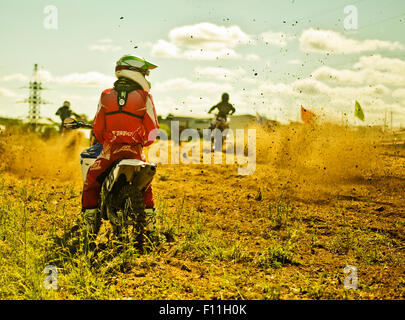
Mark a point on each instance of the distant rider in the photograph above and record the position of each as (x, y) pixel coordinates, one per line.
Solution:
(65, 112)
(125, 118)
(224, 108)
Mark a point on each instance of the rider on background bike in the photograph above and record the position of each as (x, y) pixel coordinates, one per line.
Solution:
(124, 124)
(224, 108)
(65, 112)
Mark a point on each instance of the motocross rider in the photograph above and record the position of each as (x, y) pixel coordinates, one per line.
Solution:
(224, 108)
(124, 124)
(65, 112)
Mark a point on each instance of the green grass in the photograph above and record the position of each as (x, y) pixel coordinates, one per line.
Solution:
(21, 250)
(279, 214)
(276, 257)
(25, 250)
(194, 255)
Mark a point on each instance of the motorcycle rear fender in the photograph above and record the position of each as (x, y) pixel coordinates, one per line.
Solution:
(137, 172)
(85, 164)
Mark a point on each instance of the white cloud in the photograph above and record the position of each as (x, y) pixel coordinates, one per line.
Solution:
(372, 70)
(328, 101)
(106, 40)
(15, 77)
(208, 36)
(190, 105)
(203, 41)
(328, 41)
(326, 73)
(169, 50)
(165, 49)
(276, 88)
(86, 79)
(377, 62)
(328, 91)
(367, 91)
(317, 89)
(219, 73)
(203, 54)
(310, 87)
(186, 84)
(7, 93)
(104, 45)
(90, 79)
(278, 39)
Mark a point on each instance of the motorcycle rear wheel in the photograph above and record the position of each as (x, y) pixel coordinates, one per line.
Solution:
(129, 220)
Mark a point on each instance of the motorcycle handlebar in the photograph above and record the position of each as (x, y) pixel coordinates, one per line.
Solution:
(70, 123)
(89, 126)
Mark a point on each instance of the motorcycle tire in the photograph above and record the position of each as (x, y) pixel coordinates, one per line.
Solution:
(128, 206)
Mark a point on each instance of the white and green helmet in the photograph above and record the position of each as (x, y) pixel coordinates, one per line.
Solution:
(135, 69)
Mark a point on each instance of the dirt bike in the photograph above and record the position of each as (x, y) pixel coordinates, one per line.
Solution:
(221, 124)
(121, 198)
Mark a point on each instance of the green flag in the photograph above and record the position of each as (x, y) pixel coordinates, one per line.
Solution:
(358, 111)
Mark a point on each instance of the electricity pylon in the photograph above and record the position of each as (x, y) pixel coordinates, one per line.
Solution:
(34, 100)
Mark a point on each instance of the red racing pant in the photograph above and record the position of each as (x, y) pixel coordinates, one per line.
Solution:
(111, 153)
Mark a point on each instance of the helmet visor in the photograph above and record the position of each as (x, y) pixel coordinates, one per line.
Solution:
(145, 72)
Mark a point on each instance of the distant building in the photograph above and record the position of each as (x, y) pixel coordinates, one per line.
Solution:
(186, 122)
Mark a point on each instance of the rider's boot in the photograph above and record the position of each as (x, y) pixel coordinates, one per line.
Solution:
(90, 219)
(150, 218)
(151, 232)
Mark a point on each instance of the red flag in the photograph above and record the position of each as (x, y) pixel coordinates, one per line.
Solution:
(306, 115)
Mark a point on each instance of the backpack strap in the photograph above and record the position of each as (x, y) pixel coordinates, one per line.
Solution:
(124, 86)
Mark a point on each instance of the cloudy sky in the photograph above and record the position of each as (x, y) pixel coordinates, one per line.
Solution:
(270, 56)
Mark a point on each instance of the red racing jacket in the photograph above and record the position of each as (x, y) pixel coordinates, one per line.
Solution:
(133, 123)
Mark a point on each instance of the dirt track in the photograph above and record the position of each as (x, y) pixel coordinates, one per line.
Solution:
(333, 220)
(320, 199)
